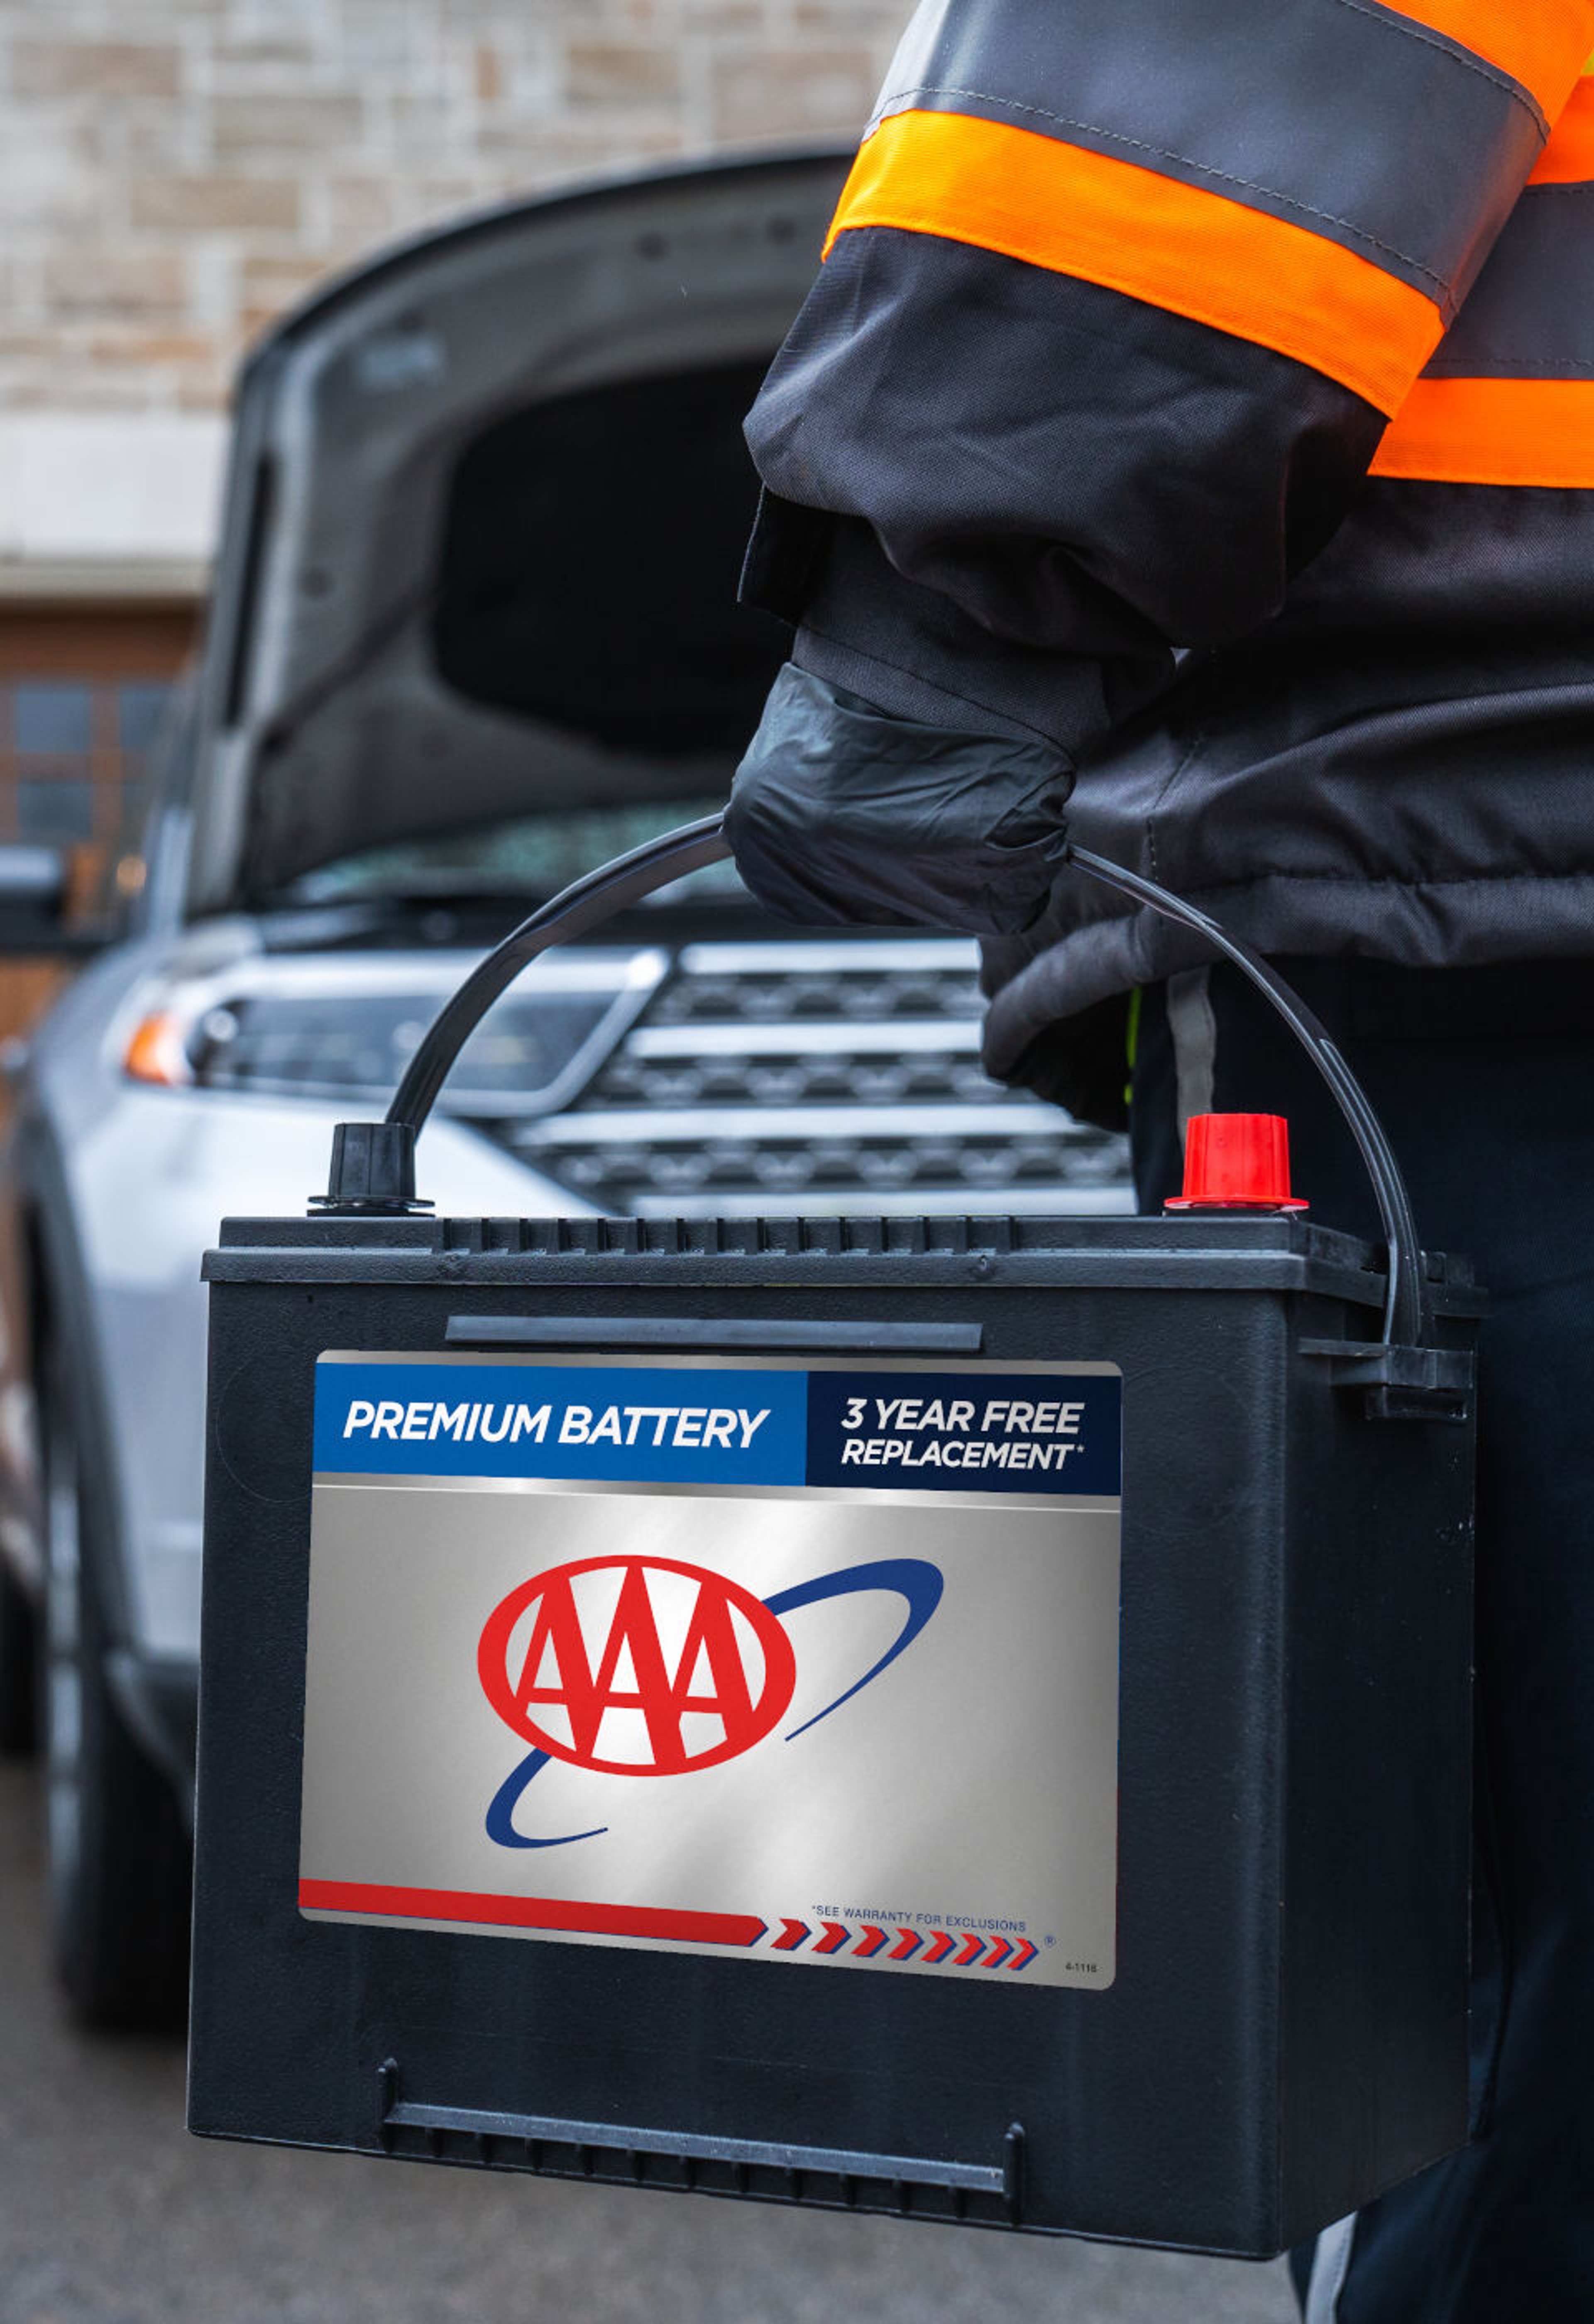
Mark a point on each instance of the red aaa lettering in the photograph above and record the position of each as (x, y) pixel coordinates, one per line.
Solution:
(632, 1671)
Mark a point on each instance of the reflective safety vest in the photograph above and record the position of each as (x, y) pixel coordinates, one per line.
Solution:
(1210, 389)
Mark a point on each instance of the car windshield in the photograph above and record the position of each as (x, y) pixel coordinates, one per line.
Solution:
(533, 856)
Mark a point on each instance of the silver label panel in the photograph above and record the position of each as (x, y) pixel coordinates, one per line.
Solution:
(872, 1727)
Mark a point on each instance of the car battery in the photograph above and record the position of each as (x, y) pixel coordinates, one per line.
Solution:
(962, 1718)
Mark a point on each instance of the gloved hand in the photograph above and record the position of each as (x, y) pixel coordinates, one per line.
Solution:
(841, 812)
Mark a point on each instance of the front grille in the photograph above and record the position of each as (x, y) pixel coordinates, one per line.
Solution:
(818, 1076)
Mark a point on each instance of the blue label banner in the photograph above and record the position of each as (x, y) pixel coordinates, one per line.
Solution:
(653, 1425)
(989, 1430)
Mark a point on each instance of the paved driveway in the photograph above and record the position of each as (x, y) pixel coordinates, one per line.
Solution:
(111, 2214)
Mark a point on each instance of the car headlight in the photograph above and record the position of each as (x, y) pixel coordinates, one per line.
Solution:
(280, 1029)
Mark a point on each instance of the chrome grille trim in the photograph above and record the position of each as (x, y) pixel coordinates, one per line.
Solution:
(829, 955)
(808, 1124)
(923, 1202)
(896, 1036)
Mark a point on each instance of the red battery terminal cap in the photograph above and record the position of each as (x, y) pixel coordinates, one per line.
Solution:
(1236, 1162)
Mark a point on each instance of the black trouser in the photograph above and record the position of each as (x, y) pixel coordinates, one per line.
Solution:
(1485, 1081)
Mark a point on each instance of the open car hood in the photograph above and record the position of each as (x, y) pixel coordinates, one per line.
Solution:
(485, 513)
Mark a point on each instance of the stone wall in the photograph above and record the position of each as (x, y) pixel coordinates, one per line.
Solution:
(175, 171)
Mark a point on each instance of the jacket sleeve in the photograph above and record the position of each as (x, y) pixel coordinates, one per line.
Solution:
(1118, 301)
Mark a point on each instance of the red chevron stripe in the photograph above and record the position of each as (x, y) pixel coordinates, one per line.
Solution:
(940, 1945)
(908, 1941)
(969, 1952)
(792, 1934)
(870, 1942)
(1023, 1956)
(998, 1955)
(835, 1937)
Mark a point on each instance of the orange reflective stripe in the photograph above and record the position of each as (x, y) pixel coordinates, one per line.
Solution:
(1177, 247)
(1542, 43)
(1568, 160)
(1493, 431)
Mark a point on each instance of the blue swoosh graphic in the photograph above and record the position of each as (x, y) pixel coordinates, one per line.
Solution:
(506, 1799)
(911, 1578)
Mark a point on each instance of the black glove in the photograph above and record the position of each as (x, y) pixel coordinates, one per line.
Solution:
(841, 812)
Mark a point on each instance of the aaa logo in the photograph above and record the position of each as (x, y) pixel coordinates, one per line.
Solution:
(657, 1704)
(638, 1665)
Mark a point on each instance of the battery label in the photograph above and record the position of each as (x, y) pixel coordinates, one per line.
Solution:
(800, 1663)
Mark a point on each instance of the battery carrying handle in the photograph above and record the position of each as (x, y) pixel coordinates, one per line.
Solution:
(373, 1169)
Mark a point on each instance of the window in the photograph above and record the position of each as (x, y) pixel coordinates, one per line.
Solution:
(140, 709)
(82, 701)
(56, 813)
(52, 720)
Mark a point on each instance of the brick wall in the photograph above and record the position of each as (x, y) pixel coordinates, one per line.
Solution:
(177, 171)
